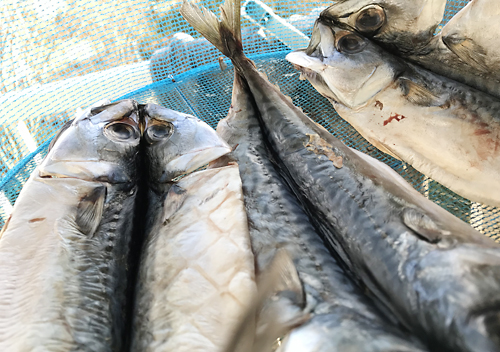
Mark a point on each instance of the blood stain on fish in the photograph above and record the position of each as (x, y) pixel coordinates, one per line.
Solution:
(482, 131)
(396, 117)
(36, 220)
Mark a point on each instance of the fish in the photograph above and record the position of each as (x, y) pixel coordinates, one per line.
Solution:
(201, 209)
(404, 26)
(64, 250)
(176, 144)
(342, 317)
(464, 50)
(436, 274)
(197, 275)
(447, 131)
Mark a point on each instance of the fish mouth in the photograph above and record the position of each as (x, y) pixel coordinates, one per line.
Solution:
(299, 59)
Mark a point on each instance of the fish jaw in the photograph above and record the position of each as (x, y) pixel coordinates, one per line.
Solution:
(329, 80)
(83, 170)
(189, 144)
(100, 145)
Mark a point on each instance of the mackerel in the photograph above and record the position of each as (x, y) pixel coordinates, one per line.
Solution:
(446, 130)
(64, 250)
(439, 276)
(172, 281)
(466, 49)
(342, 317)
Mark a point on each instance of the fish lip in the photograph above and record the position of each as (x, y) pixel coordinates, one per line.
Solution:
(313, 76)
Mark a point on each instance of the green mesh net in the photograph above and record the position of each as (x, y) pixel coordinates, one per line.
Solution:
(57, 57)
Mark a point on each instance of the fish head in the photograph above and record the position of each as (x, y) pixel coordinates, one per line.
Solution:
(177, 143)
(344, 66)
(390, 21)
(102, 144)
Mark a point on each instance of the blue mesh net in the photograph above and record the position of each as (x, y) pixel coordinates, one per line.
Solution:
(58, 57)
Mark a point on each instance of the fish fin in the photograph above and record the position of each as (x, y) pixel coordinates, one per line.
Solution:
(224, 34)
(94, 110)
(173, 201)
(66, 125)
(468, 51)
(418, 94)
(89, 211)
(205, 22)
(424, 226)
(315, 39)
(278, 305)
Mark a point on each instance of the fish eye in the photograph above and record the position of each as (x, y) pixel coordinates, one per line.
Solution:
(121, 131)
(158, 132)
(370, 20)
(350, 43)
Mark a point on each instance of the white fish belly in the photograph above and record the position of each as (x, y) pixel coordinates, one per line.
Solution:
(197, 274)
(448, 144)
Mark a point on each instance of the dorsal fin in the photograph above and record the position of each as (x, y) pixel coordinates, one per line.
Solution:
(278, 305)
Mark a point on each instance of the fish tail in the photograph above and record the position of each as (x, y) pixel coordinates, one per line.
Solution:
(224, 34)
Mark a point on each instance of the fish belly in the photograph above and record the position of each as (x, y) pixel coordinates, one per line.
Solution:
(451, 145)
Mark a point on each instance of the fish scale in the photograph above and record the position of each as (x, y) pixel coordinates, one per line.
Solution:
(199, 265)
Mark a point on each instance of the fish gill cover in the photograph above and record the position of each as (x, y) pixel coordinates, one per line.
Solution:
(58, 57)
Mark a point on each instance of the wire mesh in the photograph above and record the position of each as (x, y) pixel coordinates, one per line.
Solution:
(58, 57)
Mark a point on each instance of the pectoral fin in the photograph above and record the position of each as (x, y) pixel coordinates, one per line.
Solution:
(173, 201)
(89, 211)
(418, 94)
(468, 51)
(424, 226)
(278, 305)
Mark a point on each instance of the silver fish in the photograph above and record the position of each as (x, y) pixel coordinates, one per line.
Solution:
(342, 317)
(446, 130)
(464, 50)
(63, 252)
(181, 219)
(436, 274)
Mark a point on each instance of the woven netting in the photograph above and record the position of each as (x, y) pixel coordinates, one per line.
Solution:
(59, 56)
